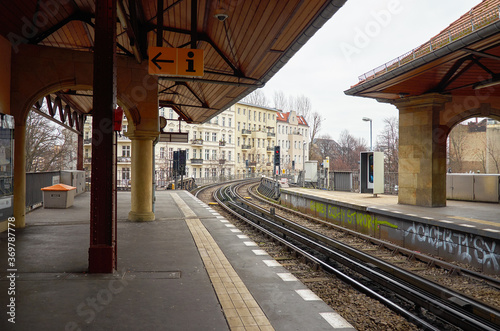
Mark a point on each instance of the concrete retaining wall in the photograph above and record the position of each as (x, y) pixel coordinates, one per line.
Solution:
(475, 247)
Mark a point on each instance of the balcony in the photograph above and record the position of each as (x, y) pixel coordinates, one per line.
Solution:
(222, 143)
(252, 164)
(271, 134)
(197, 141)
(123, 159)
(268, 164)
(87, 141)
(246, 146)
(196, 161)
(87, 160)
(222, 161)
(246, 132)
(270, 149)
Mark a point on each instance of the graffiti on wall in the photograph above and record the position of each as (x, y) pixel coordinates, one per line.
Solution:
(361, 219)
(467, 247)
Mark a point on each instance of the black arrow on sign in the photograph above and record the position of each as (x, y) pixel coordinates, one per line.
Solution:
(155, 60)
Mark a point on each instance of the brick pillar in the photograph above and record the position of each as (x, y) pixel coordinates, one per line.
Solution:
(422, 151)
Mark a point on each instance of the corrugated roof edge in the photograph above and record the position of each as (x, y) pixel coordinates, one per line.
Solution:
(441, 52)
(322, 17)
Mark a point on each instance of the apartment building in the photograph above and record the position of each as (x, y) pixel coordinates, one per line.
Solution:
(293, 139)
(123, 153)
(210, 151)
(255, 138)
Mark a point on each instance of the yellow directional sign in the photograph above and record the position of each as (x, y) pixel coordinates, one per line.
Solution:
(175, 61)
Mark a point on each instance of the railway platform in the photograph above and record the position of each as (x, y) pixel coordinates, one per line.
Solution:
(188, 270)
(465, 232)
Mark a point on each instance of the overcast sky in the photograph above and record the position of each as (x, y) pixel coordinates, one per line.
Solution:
(337, 54)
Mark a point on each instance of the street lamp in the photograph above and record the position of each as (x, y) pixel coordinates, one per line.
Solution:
(366, 119)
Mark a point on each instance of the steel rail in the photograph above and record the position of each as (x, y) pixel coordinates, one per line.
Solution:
(443, 305)
(431, 261)
(223, 198)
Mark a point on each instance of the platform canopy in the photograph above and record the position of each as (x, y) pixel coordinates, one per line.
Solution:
(245, 42)
(461, 60)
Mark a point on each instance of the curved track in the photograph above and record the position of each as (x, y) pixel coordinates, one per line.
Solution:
(403, 292)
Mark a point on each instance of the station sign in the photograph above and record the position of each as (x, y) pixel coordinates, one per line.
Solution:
(175, 61)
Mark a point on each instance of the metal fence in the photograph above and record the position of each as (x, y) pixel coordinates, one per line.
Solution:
(348, 181)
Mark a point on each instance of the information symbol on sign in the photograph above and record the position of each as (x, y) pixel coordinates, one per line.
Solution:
(190, 62)
(175, 61)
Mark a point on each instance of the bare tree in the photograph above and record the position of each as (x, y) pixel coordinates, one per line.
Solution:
(326, 146)
(48, 147)
(456, 143)
(494, 156)
(388, 142)
(257, 98)
(314, 125)
(280, 100)
(347, 153)
(303, 106)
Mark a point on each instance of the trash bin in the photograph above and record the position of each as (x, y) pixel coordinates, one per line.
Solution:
(58, 196)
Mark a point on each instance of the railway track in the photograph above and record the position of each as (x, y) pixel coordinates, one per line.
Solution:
(428, 305)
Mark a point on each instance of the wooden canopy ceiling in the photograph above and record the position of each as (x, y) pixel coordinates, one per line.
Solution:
(241, 53)
(460, 60)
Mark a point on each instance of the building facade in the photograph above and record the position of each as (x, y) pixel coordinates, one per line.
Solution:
(293, 139)
(210, 151)
(255, 138)
(238, 141)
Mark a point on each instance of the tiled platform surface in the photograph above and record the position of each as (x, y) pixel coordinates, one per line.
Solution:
(471, 215)
(188, 270)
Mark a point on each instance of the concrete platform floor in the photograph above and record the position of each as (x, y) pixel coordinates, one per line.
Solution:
(188, 270)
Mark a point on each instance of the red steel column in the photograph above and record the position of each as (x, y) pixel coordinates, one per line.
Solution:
(102, 218)
(79, 153)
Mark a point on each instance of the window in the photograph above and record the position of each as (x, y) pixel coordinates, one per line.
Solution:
(223, 121)
(238, 157)
(162, 112)
(86, 135)
(214, 154)
(229, 139)
(207, 154)
(126, 151)
(124, 128)
(258, 142)
(200, 172)
(207, 136)
(223, 137)
(238, 110)
(249, 114)
(214, 136)
(194, 153)
(294, 144)
(223, 155)
(238, 141)
(229, 120)
(254, 115)
(214, 172)
(238, 126)
(229, 155)
(243, 111)
(125, 173)
(162, 152)
(171, 153)
(244, 125)
(171, 114)
(86, 152)
(259, 116)
(187, 157)
(194, 134)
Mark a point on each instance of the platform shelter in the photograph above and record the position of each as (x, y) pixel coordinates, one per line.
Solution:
(452, 77)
